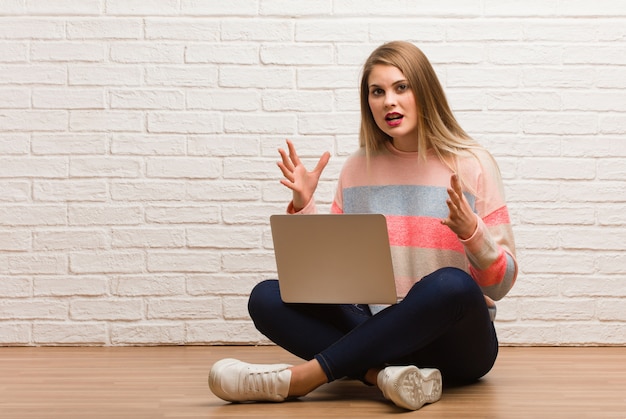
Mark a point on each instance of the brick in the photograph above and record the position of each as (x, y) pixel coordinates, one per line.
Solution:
(219, 284)
(593, 238)
(105, 167)
(552, 168)
(18, 191)
(147, 191)
(29, 28)
(236, 308)
(70, 286)
(185, 123)
(177, 308)
(612, 169)
(218, 8)
(223, 146)
(287, 54)
(15, 334)
(289, 8)
(222, 53)
(231, 99)
(68, 144)
(574, 123)
(13, 52)
(33, 215)
(148, 285)
(14, 144)
(148, 145)
(141, 8)
(192, 29)
(572, 262)
(15, 287)
(223, 237)
(592, 333)
(328, 123)
(259, 123)
(68, 99)
(223, 332)
(98, 29)
(197, 261)
(228, 190)
(188, 168)
(90, 215)
(107, 262)
(298, 101)
(70, 333)
(329, 78)
(513, 8)
(416, 8)
(598, 286)
(70, 190)
(233, 29)
(37, 263)
(103, 309)
(528, 333)
(250, 169)
(148, 334)
(67, 51)
(190, 76)
(249, 262)
(71, 240)
(255, 77)
(69, 7)
(147, 99)
(539, 309)
(147, 238)
(30, 120)
(483, 76)
(106, 121)
(205, 214)
(558, 77)
(611, 309)
(104, 75)
(39, 309)
(147, 52)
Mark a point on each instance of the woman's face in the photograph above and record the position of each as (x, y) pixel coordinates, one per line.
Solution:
(392, 103)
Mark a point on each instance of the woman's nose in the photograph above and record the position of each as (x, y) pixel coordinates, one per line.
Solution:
(390, 100)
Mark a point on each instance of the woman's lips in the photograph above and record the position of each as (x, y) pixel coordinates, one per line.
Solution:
(394, 119)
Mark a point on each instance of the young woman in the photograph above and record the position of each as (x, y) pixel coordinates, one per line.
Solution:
(452, 249)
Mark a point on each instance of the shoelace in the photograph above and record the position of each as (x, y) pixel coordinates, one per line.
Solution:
(261, 382)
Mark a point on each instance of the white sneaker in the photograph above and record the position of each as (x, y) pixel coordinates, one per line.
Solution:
(409, 386)
(237, 381)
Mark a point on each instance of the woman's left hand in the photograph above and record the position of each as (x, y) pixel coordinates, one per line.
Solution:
(461, 218)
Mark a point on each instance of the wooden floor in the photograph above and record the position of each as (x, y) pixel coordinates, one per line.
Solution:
(171, 382)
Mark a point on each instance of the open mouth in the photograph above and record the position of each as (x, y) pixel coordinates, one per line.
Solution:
(394, 119)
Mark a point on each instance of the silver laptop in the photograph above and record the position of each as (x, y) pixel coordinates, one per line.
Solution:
(333, 258)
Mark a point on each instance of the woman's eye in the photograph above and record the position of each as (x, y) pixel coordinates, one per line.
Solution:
(377, 92)
(403, 87)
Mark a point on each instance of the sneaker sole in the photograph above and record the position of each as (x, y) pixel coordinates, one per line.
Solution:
(419, 387)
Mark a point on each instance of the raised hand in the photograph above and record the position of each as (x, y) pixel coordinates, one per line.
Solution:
(461, 218)
(297, 178)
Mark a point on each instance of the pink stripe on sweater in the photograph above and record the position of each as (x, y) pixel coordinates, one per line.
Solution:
(497, 217)
(424, 232)
(493, 275)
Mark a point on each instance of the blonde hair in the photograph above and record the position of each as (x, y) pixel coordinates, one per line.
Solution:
(437, 129)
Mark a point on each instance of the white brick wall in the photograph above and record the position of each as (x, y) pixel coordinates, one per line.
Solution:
(138, 147)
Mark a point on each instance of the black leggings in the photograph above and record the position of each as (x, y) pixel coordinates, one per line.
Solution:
(442, 323)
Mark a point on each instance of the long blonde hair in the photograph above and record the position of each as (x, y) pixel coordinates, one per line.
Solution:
(437, 129)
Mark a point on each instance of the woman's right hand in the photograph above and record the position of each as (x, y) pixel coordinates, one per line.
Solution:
(297, 178)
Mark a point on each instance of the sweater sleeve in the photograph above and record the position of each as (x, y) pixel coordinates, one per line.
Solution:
(491, 249)
(491, 253)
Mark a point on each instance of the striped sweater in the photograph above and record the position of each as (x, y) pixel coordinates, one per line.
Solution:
(412, 194)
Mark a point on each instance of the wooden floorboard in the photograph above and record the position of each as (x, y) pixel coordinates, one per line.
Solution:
(171, 382)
